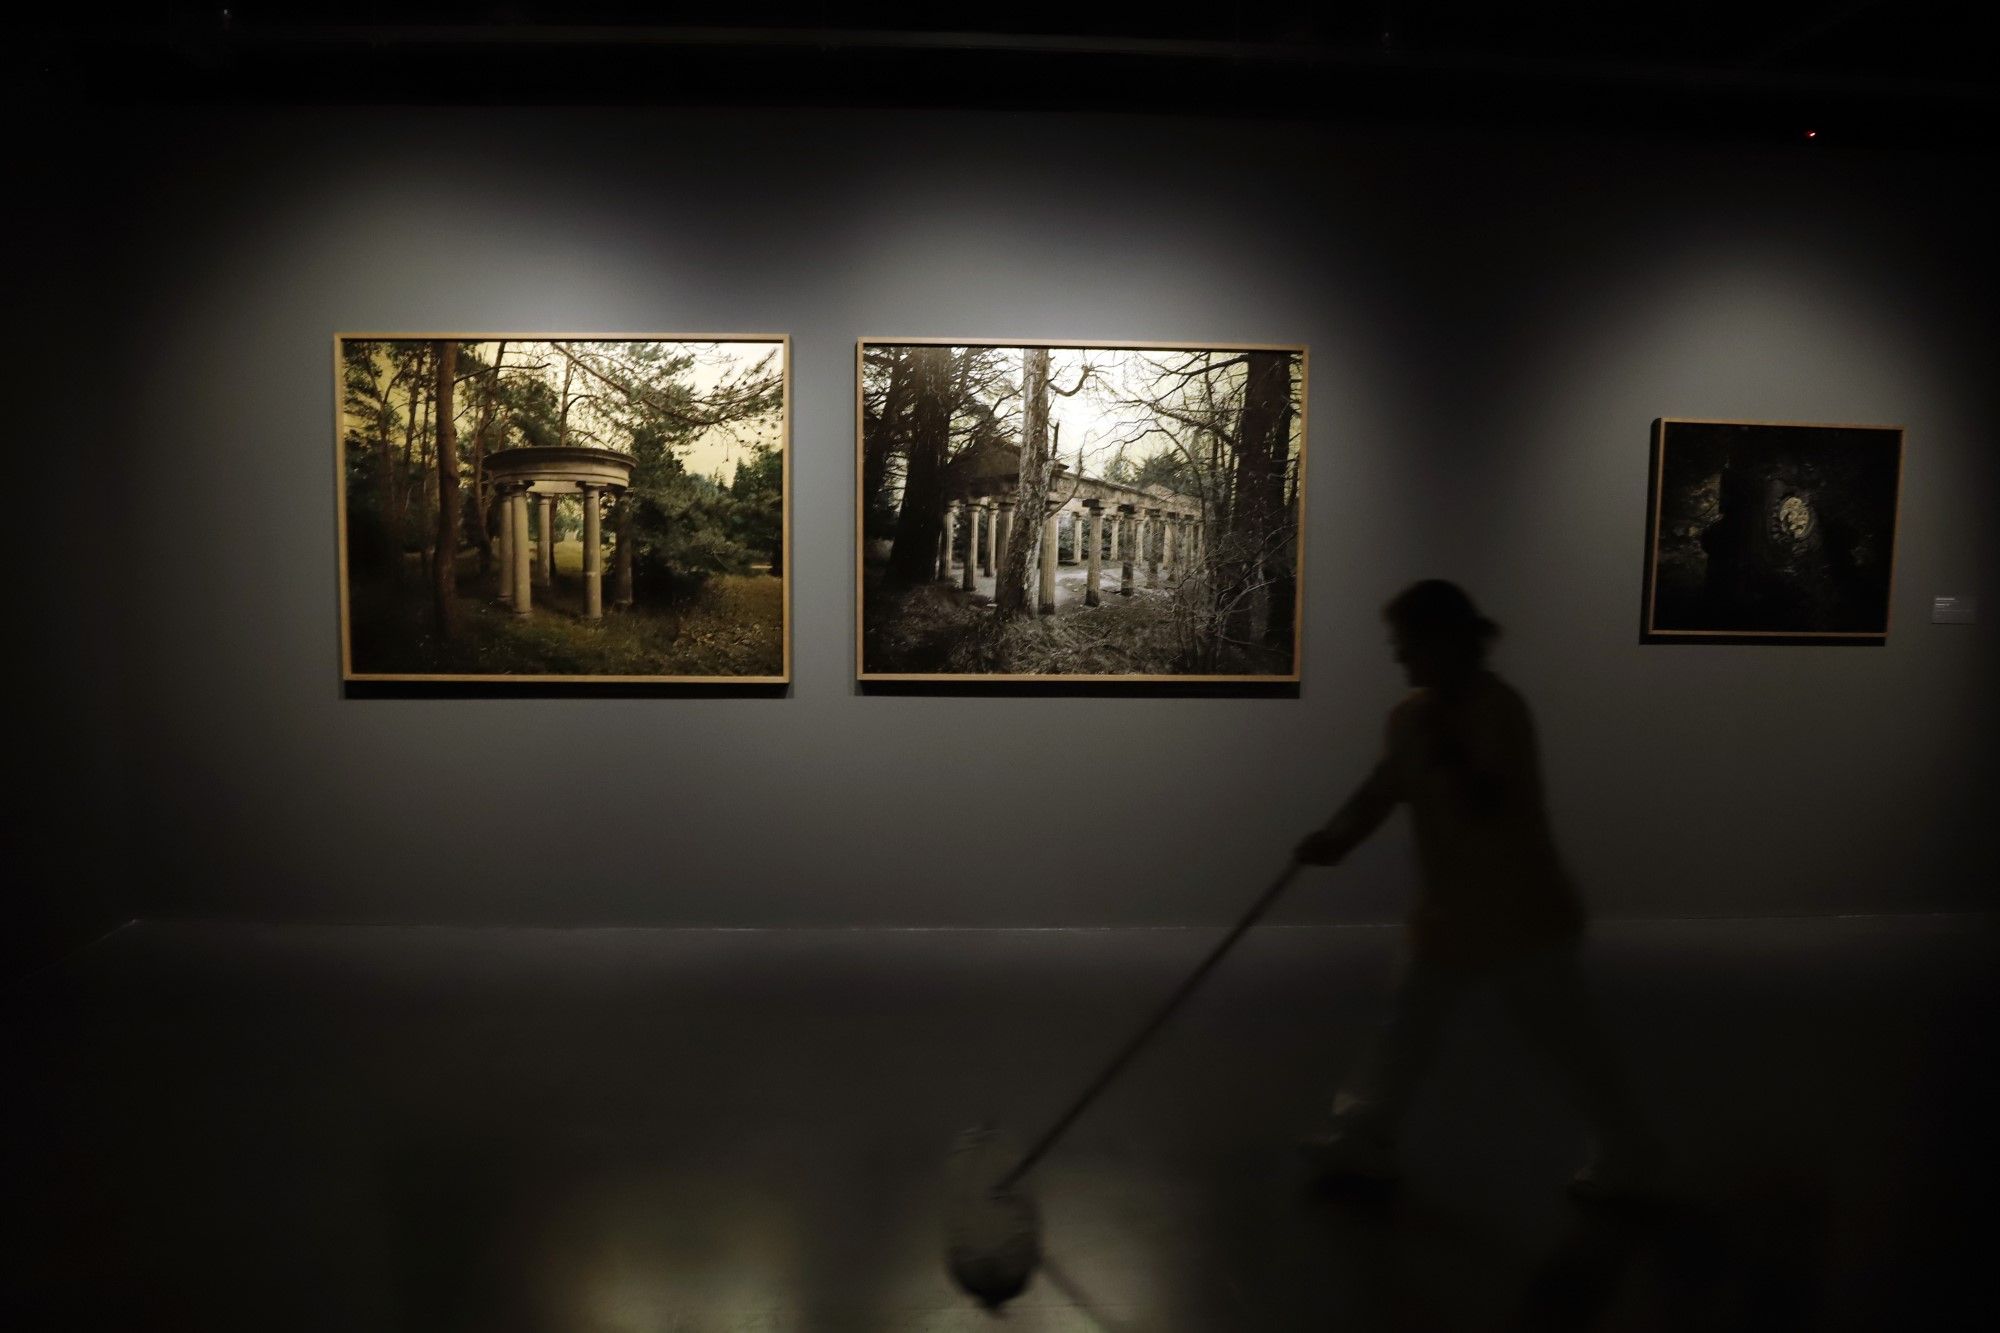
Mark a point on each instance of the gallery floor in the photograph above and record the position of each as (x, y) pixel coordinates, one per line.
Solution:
(235, 1127)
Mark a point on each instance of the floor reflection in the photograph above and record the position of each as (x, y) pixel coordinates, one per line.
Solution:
(501, 1131)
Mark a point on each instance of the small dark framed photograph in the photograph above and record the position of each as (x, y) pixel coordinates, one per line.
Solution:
(1771, 531)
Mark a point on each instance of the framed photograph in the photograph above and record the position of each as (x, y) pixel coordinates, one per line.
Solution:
(1772, 531)
(543, 508)
(1077, 511)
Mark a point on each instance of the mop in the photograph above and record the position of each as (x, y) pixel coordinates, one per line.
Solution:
(993, 1230)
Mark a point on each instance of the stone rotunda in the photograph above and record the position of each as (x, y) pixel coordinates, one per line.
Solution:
(541, 477)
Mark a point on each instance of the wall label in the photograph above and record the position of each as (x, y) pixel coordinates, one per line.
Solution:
(1958, 610)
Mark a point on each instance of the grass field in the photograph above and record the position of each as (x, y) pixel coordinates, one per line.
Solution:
(935, 628)
(733, 626)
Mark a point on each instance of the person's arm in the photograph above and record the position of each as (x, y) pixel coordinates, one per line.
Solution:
(1360, 815)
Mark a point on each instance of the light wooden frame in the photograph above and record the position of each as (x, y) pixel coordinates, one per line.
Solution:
(1650, 633)
(783, 341)
(864, 676)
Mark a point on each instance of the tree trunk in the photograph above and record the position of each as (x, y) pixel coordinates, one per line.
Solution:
(427, 490)
(1011, 582)
(1218, 509)
(385, 449)
(475, 504)
(621, 566)
(913, 558)
(1283, 550)
(405, 469)
(879, 443)
(444, 566)
(562, 426)
(1258, 500)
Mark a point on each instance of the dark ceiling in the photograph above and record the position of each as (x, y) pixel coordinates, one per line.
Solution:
(1859, 70)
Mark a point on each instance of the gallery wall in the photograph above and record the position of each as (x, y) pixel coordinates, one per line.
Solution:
(1494, 321)
(65, 875)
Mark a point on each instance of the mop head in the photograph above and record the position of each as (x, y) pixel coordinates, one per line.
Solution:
(992, 1236)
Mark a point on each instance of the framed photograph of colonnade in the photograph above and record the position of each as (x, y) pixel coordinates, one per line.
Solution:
(554, 508)
(1768, 531)
(1078, 511)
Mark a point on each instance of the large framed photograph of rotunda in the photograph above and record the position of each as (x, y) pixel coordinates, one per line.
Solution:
(540, 509)
(1771, 531)
(1078, 512)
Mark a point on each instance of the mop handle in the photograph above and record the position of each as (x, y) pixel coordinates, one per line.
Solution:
(1145, 1034)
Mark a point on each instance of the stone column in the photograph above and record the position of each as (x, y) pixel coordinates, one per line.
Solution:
(1167, 542)
(965, 579)
(1000, 544)
(1117, 530)
(1125, 565)
(1046, 604)
(505, 499)
(1093, 530)
(988, 552)
(593, 554)
(945, 535)
(545, 543)
(524, 587)
(621, 570)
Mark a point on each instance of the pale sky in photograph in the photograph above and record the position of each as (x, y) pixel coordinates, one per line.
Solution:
(714, 452)
(1094, 418)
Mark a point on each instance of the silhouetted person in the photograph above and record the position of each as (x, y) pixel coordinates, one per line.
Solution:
(1495, 908)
